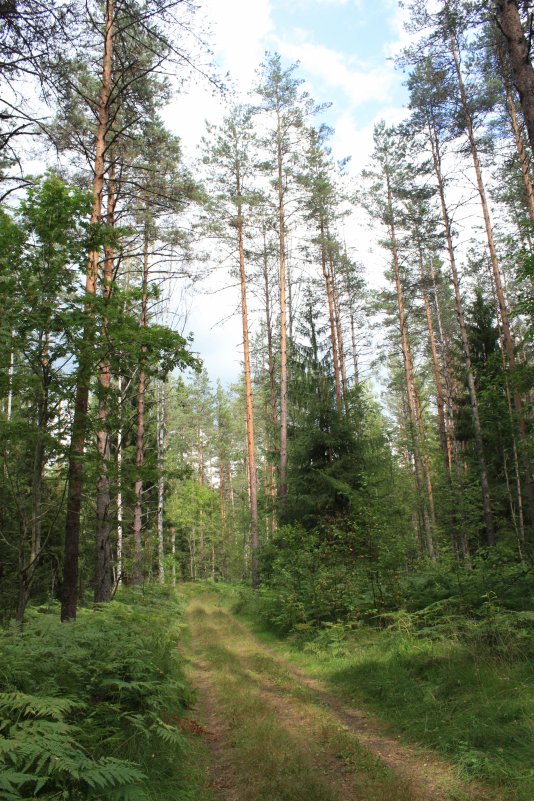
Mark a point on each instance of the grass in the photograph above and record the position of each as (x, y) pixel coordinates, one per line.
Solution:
(279, 743)
(471, 705)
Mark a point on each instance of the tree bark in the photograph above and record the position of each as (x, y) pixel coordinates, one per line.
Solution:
(331, 314)
(69, 592)
(27, 572)
(137, 572)
(103, 568)
(282, 485)
(483, 473)
(501, 301)
(518, 47)
(422, 471)
(443, 432)
(161, 480)
(249, 409)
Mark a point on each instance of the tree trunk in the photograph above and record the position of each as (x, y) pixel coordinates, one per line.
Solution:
(27, 572)
(161, 479)
(339, 329)
(282, 485)
(69, 593)
(331, 314)
(103, 567)
(414, 409)
(249, 410)
(443, 432)
(483, 473)
(518, 47)
(502, 306)
(137, 572)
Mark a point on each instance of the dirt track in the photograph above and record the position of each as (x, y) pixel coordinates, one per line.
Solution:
(249, 696)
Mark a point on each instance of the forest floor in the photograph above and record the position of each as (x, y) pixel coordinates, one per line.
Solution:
(273, 733)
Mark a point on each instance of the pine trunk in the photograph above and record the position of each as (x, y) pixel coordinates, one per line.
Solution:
(282, 485)
(331, 314)
(103, 566)
(137, 572)
(443, 432)
(69, 592)
(501, 302)
(422, 471)
(249, 410)
(161, 480)
(473, 398)
(518, 46)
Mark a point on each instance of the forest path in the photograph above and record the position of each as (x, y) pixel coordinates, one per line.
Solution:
(277, 735)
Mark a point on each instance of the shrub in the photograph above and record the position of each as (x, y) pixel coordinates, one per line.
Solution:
(91, 709)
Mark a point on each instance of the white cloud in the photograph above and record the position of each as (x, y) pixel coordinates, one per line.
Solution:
(240, 29)
(338, 71)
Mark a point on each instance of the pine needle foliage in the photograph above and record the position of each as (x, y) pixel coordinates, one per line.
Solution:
(91, 709)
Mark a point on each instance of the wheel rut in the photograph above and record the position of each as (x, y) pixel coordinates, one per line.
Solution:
(276, 734)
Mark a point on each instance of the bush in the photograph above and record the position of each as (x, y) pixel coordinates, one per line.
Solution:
(90, 709)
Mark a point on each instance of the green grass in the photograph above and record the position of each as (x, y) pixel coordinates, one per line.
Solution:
(471, 704)
(276, 742)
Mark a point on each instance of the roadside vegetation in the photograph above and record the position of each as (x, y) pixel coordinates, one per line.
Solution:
(93, 710)
(450, 668)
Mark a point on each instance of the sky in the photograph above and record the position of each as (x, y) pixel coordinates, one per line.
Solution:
(345, 50)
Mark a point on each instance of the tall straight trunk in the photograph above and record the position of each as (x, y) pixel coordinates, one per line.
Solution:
(518, 46)
(473, 398)
(69, 593)
(161, 479)
(119, 567)
(501, 301)
(339, 330)
(27, 572)
(348, 289)
(422, 471)
(103, 566)
(249, 410)
(331, 314)
(459, 539)
(137, 573)
(269, 326)
(444, 437)
(521, 154)
(517, 472)
(282, 485)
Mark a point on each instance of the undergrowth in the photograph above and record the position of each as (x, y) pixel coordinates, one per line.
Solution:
(447, 661)
(91, 709)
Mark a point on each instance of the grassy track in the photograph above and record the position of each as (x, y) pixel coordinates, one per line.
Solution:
(276, 735)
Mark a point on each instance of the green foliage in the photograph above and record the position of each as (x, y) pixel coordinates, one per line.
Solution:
(91, 709)
(452, 696)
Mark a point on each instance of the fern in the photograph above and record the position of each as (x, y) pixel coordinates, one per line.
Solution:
(81, 706)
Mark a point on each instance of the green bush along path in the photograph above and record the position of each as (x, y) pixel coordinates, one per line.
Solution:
(275, 734)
